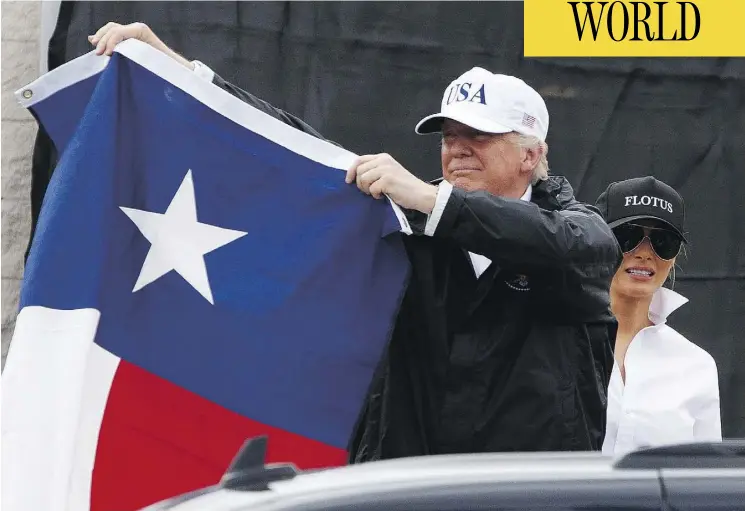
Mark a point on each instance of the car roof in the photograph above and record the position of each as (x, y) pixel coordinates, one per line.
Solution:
(429, 471)
(250, 482)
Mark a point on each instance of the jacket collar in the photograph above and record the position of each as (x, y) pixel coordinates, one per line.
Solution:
(550, 188)
(553, 193)
(664, 302)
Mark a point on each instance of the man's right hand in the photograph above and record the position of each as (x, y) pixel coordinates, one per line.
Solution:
(111, 34)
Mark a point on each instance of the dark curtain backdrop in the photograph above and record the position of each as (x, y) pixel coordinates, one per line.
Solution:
(363, 74)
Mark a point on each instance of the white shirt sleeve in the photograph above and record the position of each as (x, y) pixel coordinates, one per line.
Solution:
(203, 71)
(444, 189)
(708, 421)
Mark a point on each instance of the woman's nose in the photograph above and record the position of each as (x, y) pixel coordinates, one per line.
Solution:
(644, 249)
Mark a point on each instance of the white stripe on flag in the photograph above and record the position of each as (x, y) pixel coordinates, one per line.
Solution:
(99, 376)
(52, 409)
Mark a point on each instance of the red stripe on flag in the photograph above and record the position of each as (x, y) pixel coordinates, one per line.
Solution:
(158, 440)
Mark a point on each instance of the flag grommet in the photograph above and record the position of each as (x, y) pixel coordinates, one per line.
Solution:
(27, 94)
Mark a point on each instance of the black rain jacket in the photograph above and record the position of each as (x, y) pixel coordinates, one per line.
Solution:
(518, 359)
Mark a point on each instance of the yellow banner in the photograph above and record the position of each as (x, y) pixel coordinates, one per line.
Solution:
(693, 28)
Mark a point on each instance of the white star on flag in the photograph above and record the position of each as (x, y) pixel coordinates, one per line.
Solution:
(179, 241)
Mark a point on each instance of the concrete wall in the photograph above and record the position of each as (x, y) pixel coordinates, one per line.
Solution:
(21, 22)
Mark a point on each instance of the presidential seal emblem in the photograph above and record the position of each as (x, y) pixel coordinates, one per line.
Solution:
(519, 283)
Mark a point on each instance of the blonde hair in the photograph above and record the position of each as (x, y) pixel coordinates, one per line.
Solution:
(540, 172)
(671, 276)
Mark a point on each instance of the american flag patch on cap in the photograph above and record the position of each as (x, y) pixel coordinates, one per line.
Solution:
(529, 121)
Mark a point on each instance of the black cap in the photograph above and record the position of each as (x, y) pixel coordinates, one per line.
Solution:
(642, 197)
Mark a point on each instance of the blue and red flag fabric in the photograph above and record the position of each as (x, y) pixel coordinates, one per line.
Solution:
(200, 274)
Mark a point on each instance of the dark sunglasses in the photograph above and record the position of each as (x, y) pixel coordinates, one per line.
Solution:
(665, 243)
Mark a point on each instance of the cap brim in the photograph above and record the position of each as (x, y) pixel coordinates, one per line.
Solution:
(647, 217)
(433, 124)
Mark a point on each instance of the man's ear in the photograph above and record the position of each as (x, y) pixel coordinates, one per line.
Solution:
(531, 156)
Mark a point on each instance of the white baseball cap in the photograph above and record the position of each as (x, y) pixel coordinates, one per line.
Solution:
(490, 103)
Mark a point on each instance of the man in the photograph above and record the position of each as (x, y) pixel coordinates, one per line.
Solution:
(504, 340)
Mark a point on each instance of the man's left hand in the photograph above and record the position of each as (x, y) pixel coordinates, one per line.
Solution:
(379, 174)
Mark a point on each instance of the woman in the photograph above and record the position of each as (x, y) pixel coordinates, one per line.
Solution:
(663, 389)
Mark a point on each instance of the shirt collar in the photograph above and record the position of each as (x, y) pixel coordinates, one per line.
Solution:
(528, 194)
(664, 302)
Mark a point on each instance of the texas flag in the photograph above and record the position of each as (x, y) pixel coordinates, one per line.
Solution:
(200, 274)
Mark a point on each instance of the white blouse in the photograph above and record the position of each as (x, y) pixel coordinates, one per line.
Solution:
(671, 394)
